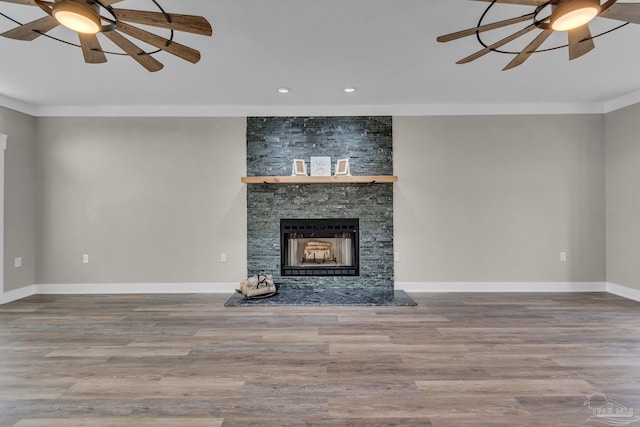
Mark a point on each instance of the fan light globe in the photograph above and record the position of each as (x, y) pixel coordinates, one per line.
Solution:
(574, 14)
(77, 17)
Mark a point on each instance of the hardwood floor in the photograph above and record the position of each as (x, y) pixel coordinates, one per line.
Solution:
(185, 360)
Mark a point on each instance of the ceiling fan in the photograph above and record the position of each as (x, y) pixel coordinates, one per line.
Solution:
(549, 16)
(91, 17)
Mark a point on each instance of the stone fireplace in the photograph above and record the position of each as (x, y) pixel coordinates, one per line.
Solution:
(367, 269)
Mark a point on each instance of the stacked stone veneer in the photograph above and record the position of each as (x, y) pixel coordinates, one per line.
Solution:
(272, 144)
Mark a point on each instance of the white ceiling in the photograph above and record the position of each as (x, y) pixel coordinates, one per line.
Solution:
(385, 48)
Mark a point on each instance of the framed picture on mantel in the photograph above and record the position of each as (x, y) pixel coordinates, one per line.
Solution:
(320, 166)
(299, 168)
(342, 167)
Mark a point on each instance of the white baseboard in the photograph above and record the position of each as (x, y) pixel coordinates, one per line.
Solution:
(226, 288)
(137, 288)
(623, 291)
(12, 296)
(501, 286)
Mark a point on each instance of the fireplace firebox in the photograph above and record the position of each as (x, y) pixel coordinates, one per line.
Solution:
(320, 247)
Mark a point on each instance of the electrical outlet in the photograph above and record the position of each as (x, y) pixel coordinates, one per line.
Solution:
(85, 259)
(17, 262)
(223, 257)
(396, 256)
(563, 256)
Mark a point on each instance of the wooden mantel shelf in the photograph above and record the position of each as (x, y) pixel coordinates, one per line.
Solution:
(341, 179)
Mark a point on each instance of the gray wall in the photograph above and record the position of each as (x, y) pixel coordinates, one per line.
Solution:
(151, 200)
(498, 198)
(622, 128)
(20, 198)
(479, 198)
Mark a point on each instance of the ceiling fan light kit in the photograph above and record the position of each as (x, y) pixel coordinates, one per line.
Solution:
(573, 14)
(549, 16)
(88, 18)
(81, 17)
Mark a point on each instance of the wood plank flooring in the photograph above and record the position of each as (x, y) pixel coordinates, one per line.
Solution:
(185, 360)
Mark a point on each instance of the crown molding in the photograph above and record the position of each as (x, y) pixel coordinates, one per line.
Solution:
(321, 110)
(17, 105)
(622, 101)
(317, 110)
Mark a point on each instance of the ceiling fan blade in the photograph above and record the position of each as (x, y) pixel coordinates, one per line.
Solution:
(28, 2)
(177, 49)
(496, 45)
(519, 2)
(482, 28)
(529, 50)
(580, 42)
(91, 49)
(187, 23)
(144, 59)
(106, 3)
(627, 12)
(32, 30)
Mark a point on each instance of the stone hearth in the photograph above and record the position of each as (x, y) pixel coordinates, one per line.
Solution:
(325, 297)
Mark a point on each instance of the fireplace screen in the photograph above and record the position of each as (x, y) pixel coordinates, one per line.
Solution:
(319, 247)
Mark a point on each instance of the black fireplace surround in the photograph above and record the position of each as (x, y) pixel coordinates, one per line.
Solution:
(319, 247)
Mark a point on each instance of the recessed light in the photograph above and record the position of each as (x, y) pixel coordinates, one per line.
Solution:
(349, 89)
(284, 90)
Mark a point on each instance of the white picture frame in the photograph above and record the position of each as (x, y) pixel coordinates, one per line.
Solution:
(299, 168)
(342, 168)
(320, 166)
